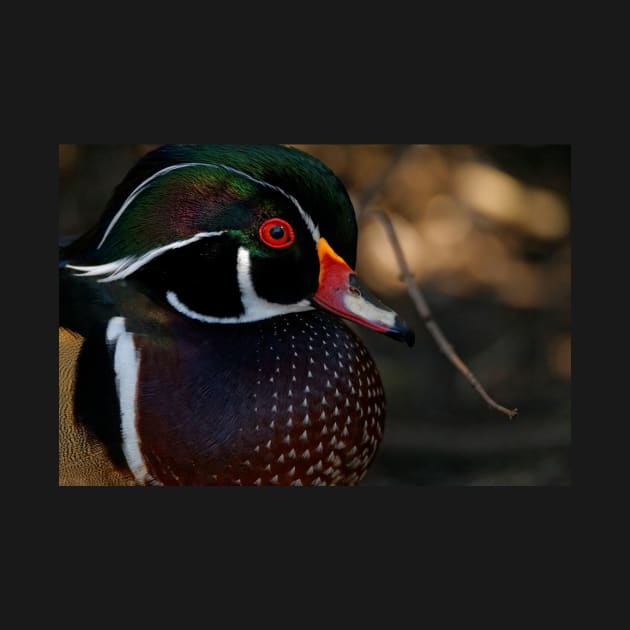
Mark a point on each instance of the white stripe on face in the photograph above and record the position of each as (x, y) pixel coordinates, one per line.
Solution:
(313, 229)
(126, 366)
(126, 266)
(256, 308)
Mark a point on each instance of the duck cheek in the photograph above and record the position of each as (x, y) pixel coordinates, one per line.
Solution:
(285, 279)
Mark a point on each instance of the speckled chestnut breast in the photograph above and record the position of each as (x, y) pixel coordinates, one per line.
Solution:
(292, 400)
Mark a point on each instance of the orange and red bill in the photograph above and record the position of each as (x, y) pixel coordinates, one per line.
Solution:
(341, 292)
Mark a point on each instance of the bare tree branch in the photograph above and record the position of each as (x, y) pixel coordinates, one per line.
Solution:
(364, 200)
(425, 313)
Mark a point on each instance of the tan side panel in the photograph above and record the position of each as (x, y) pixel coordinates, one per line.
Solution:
(82, 460)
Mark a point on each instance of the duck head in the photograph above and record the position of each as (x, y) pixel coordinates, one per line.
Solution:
(228, 234)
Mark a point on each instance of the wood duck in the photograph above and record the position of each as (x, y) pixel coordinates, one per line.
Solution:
(200, 336)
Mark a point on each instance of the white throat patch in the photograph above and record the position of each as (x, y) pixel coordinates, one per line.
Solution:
(256, 307)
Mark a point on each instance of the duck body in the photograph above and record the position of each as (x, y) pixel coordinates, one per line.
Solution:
(201, 339)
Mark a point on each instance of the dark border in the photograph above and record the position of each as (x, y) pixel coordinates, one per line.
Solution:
(232, 520)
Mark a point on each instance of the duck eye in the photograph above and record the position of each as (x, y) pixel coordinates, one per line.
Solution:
(276, 233)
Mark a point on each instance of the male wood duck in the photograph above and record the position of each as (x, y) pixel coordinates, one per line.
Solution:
(200, 336)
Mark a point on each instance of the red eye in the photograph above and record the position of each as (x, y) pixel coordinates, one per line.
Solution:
(276, 233)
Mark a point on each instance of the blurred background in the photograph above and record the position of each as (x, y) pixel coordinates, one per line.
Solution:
(486, 231)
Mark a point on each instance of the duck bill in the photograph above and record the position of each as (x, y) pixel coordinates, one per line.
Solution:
(341, 292)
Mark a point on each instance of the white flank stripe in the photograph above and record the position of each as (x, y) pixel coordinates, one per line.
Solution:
(314, 230)
(124, 267)
(256, 308)
(126, 364)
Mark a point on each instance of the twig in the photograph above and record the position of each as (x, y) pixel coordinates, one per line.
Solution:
(366, 197)
(424, 312)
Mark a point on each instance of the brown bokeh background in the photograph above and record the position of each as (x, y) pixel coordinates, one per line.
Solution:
(486, 231)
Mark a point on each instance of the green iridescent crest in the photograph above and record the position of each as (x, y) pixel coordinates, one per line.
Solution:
(167, 194)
